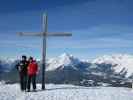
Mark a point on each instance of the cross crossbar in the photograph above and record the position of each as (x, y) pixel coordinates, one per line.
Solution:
(47, 34)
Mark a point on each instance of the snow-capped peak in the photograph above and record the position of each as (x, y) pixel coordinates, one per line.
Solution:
(63, 60)
(120, 60)
(65, 55)
(66, 59)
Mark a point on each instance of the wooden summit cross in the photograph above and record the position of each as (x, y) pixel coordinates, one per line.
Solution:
(44, 34)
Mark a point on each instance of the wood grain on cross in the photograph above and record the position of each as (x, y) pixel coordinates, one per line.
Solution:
(44, 35)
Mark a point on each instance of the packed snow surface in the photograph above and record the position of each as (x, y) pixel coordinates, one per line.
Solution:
(65, 92)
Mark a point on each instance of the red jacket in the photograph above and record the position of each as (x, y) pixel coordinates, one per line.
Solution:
(32, 68)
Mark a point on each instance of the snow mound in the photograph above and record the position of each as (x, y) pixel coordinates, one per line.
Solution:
(65, 92)
(122, 61)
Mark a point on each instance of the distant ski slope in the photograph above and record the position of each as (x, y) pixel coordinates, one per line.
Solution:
(65, 92)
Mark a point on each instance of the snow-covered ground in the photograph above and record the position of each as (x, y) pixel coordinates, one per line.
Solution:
(65, 92)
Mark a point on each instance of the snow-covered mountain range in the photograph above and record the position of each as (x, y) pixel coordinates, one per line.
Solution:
(122, 62)
(67, 67)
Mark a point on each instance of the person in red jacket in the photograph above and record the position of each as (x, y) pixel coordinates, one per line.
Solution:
(32, 72)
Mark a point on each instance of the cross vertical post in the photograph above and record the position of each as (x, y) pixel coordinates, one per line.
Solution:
(44, 50)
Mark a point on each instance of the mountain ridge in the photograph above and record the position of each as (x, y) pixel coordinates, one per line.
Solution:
(69, 69)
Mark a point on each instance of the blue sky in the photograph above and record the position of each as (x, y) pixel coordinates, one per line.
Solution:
(98, 26)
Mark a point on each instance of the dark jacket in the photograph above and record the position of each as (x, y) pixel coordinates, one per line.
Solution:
(22, 67)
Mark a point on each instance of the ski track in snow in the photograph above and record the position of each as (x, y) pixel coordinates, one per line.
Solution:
(65, 92)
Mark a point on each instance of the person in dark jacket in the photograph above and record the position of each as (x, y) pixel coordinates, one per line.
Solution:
(22, 68)
(32, 72)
